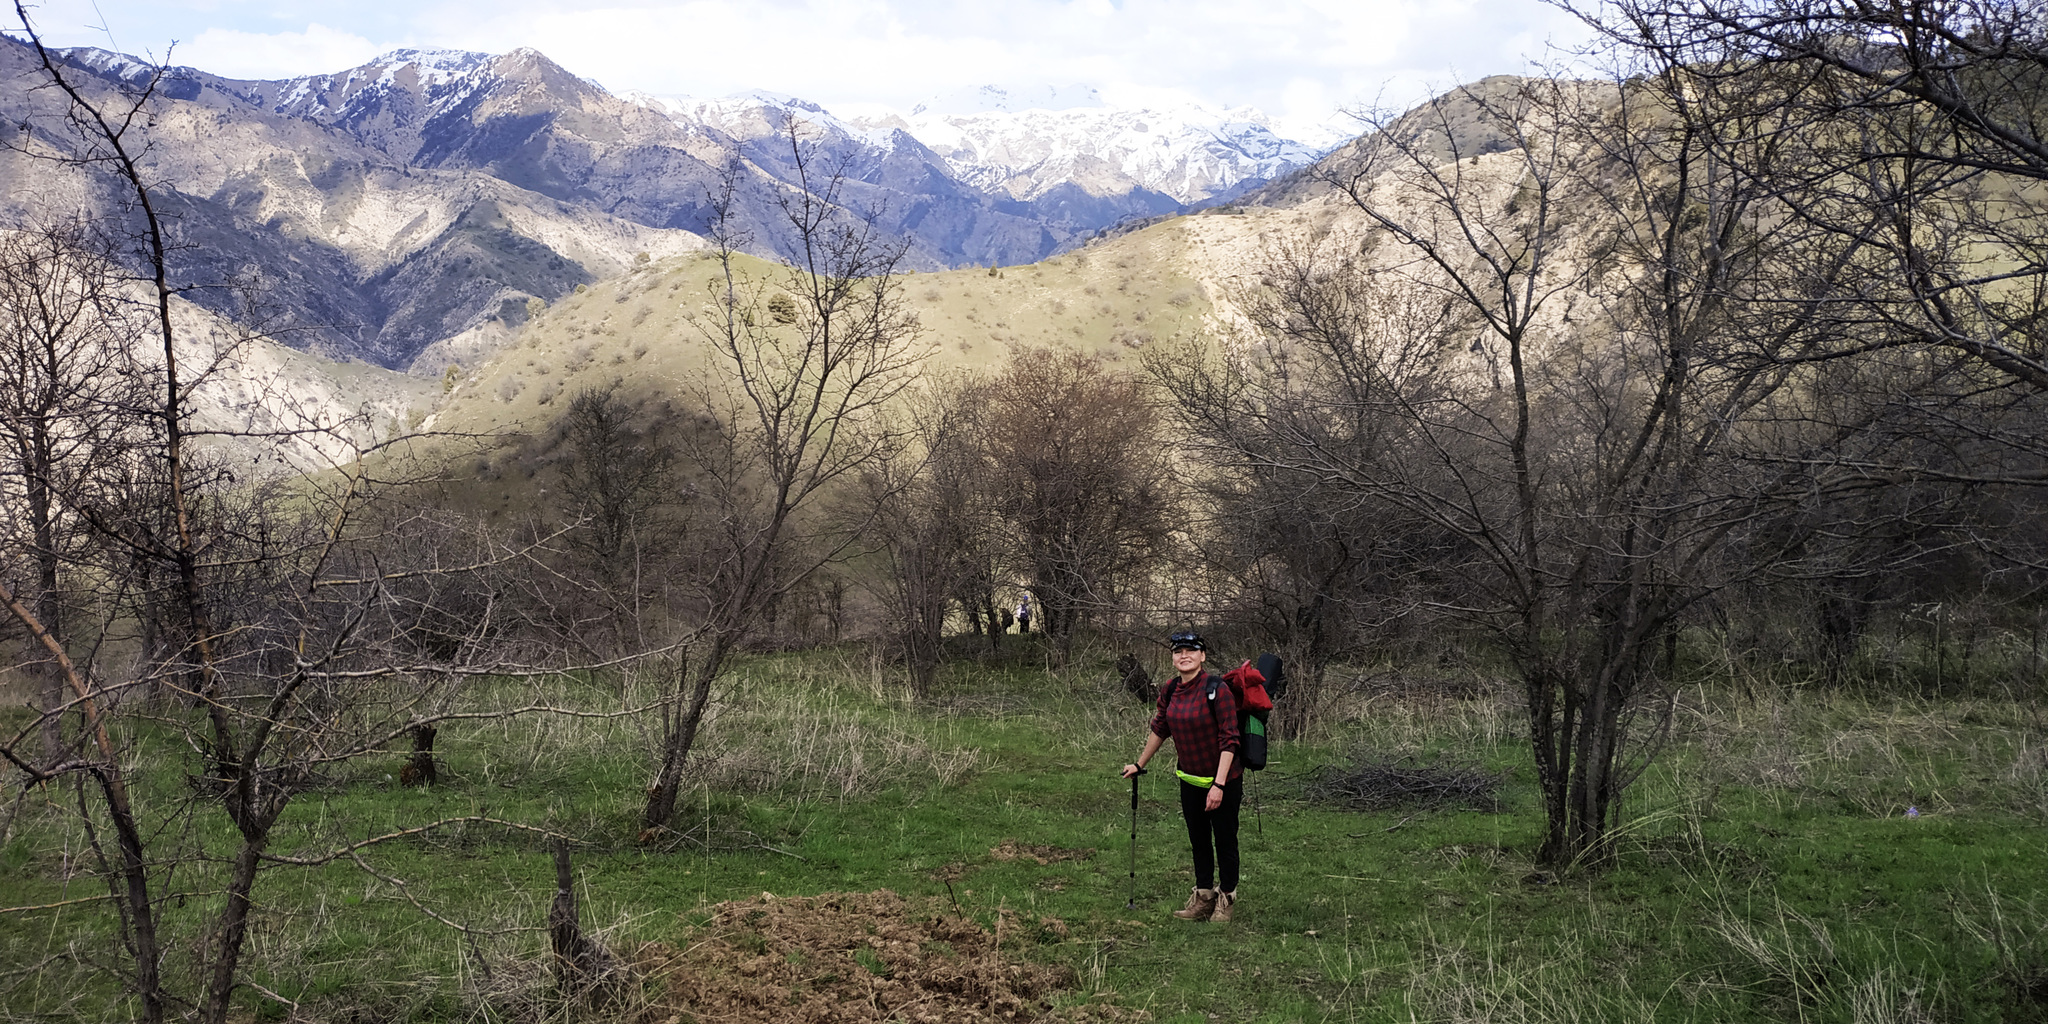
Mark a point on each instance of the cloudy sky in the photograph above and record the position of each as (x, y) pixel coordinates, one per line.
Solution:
(1299, 60)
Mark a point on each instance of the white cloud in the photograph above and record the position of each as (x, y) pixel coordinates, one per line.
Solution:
(237, 54)
(1297, 59)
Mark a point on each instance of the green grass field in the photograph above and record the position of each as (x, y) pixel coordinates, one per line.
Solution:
(1766, 870)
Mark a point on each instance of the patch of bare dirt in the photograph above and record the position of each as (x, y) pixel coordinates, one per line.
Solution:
(862, 957)
(1014, 850)
(1010, 850)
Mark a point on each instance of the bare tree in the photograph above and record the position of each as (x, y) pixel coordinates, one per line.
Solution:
(1317, 572)
(1582, 390)
(65, 388)
(300, 622)
(804, 362)
(616, 474)
(929, 527)
(1919, 132)
(1075, 469)
(624, 508)
(109, 139)
(1922, 122)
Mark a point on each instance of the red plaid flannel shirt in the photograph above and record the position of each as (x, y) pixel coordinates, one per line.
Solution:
(1200, 732)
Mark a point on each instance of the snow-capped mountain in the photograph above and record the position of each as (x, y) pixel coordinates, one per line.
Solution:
(1024, 144)
(760, 113)
(1190, 153)
(406, 211)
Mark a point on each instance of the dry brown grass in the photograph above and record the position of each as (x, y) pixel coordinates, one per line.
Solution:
(1456, 985)
(1877, 755)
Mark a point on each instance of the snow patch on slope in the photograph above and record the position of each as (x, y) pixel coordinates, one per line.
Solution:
(1022, 143)
(440, 74)
(1189, 152)
(751, 115)
(435, 66)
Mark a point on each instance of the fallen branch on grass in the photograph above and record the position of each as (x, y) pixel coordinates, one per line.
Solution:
(744, 839)
(349, 850)
(1384, 831)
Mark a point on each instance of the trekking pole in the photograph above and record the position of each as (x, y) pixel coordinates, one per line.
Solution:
(1132, 904)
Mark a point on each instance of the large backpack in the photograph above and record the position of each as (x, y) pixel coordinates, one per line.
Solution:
(1256, 687)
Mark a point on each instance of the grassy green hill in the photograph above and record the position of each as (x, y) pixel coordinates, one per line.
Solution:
(1112, 299)
(1170, 282)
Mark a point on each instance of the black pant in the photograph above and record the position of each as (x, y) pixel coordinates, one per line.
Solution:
(1220, 823)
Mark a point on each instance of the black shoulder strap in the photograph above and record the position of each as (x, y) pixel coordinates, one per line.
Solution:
(1214, 682)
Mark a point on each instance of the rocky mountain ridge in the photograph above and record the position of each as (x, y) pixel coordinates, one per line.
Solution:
(407, 211)
(1190, 154)
(307, 209)
(1019, 149)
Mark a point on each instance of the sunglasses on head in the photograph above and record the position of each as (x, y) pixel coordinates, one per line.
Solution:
(1186, 642)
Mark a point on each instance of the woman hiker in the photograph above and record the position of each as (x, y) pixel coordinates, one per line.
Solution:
(1205, 745)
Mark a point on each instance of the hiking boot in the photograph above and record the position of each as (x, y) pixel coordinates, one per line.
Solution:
(1201, 903)
(1224, 901)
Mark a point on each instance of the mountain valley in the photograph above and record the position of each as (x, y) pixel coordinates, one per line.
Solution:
(408, 213)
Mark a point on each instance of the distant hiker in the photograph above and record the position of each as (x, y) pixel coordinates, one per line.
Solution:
(1024, 614)
(1201, 717)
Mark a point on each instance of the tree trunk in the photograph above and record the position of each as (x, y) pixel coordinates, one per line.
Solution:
(138, 910)
(1064, 624)
(924, 635)
(1308, 652)
(1552, 729)
(420, 771)
(582, 965)
(233, 926)
(49, 608)
(1591, 779)
(698, 676)
(927, 648)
